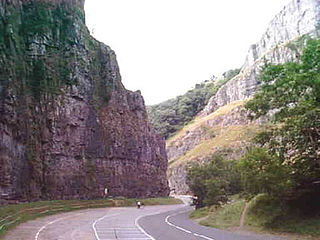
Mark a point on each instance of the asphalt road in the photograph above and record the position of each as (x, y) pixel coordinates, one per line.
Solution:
(147, 223)
(175, 225)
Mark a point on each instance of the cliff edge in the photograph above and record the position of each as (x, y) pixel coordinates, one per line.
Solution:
(282, 42)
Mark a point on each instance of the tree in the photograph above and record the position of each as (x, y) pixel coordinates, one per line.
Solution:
(262, 172)
(292, 92)
(213, 181)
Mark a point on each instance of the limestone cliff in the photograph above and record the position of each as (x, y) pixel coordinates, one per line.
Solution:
(282, 42)
(68, 127)
(227, 132)
(223, 116)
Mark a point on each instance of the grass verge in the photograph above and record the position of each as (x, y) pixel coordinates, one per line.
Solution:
(266, 215)
(13, 215)
(225, 217)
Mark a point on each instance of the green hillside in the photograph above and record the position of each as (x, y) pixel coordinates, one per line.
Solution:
(170, 116)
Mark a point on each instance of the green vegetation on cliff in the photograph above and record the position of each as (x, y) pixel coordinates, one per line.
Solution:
(40, 47)
(171, 115)
(35, 46)
(46, 56)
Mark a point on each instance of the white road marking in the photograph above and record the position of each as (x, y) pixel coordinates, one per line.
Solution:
(96, 221)
(52, 222)
(140, 228)
(131, 231)
(182, 229)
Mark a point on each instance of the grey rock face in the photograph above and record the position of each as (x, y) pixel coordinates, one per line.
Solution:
(296, 19)
(177, 180)
(299, 18)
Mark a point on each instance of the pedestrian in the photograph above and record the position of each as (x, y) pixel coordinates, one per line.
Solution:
(106, 190)
(138, 204)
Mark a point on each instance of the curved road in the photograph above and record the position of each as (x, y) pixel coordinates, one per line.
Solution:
(148, 223)
(176, 225)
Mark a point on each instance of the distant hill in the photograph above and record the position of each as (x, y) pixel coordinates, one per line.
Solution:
(171, 115)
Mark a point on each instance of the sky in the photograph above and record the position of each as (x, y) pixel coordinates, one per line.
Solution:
(165, 47)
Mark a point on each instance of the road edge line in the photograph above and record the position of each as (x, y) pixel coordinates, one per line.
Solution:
(99, 219)
(52, 222)
(183, 229)
(140, 228)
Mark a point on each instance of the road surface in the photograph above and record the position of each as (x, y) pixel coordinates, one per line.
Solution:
(176, 225)
(147, 223)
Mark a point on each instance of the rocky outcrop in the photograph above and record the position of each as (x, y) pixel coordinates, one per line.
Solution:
(237, 116)
(225, 132)
(282, 42)
(68, 127)
(177, 180)
(298, 18)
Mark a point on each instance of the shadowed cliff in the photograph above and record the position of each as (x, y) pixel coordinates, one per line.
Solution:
(68, 127)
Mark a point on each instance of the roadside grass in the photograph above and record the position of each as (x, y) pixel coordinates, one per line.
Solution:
(200, 213)
(265, 215)
(224, 217)
(13, 215)
(228, 216)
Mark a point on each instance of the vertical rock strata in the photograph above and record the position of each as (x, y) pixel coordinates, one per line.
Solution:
(68, 127)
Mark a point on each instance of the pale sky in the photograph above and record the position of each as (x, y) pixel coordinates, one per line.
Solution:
(165, 47)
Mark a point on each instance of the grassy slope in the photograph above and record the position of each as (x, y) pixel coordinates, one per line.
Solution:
(199, 121)
(265, 214)
(230, 137)
(225, 217)
(13, 215)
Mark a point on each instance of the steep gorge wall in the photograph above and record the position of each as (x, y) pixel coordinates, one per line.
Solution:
(68, 127)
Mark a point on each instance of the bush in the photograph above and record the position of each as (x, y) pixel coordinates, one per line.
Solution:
(264, 173)
(213, 181)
